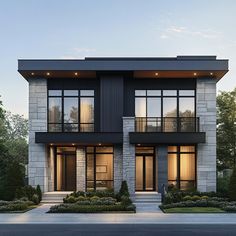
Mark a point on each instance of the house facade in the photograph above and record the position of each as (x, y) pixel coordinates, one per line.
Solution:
(98, 121)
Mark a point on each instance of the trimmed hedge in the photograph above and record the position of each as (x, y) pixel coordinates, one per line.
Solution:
(75, 208)
(18, 205)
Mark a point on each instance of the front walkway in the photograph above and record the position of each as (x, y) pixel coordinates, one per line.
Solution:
(38, 216)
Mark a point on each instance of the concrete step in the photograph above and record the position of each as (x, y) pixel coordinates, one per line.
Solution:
(147, 197)
(54, 197)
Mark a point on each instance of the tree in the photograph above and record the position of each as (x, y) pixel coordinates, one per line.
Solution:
(226, 130)
(232, 186)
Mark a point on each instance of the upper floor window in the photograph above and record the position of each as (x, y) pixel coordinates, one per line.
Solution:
(71, 110)
(173, 108)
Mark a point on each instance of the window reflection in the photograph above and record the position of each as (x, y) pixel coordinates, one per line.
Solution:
(55, 110)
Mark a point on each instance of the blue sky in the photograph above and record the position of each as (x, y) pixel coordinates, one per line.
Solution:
(79, 28)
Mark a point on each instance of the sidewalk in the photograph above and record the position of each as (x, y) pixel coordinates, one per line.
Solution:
(39, 216)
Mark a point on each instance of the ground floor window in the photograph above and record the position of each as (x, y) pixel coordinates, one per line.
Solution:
(182, 167)
(99, 168)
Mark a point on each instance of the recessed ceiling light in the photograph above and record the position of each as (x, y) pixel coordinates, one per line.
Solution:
(73, 144)
(32, 73)
(156, 74)
(76, 73)
(194, 73)
(51, 144)
(99, 144)
(139, 144)
(48, 73)
(211, 73)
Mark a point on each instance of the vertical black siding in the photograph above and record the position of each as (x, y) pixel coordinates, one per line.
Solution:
(111, 103)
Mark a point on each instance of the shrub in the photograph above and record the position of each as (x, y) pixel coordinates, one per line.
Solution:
(81, 198)
(229, 208)
(35, 199)
(223, 185)
(187, 198)
(232, 186)
(124, 191)
(204, 197)
(6, 206)
(39, 193)
(105, 193)
(26, 191)
(195, 198)
(94, 198)
(70, 199)
(125, 200)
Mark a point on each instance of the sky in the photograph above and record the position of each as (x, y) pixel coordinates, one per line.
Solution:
(61, 29)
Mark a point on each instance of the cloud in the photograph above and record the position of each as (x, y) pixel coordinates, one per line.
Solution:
(181, 31)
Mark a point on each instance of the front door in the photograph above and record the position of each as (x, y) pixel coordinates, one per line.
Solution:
(145, 173)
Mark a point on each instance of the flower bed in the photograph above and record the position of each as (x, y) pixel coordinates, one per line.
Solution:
(15, 206)
(96, 201)
(181, 200)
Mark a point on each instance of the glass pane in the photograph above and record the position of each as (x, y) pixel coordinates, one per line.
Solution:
(169, 107)
(55, 127)
(54, 92)
(104, 184)
(104, 149)
(186, 92)
(70, 110)
(172, 167)
(90, 149)
(55, 113)
(71, 93)
(144, 150)
(86, 92)
(187, 148)
(169, 92)
(187, 185)
(140, 92)
(86, 110)
(186, 107)
(90, 185)
(90, 167)
(60, 173)
(154, 124)
(187, 166)
(66, 149)
(71, 127)
(140, 107)
(86, 127)
(104, 167)
(149, 173)
(139, 173)
(153, 92)
(172, 148)
(153, 107)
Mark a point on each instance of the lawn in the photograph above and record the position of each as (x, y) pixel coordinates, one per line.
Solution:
(193, 210)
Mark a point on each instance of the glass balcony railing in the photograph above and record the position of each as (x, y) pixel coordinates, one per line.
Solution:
(166, 124)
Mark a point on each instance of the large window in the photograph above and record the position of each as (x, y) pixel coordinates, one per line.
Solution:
(182, 167)
(99, 170)
(165, 110)
(71, 110)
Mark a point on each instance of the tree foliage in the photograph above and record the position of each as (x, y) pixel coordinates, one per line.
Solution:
(226, 130)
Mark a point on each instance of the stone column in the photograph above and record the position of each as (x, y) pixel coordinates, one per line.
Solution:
(80, 169)
(118, 164)
(128, 155)
(51, 170)
(206, 154)
(162, 167)
(38, 164)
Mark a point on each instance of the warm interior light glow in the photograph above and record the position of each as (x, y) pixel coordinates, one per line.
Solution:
(76, 73)
(48, 73)
(32, 73)
(194, 73)
(211, 73)
(99, 144)
(156, 74)
(73, 144)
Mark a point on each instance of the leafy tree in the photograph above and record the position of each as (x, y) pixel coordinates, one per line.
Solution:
(226, 130)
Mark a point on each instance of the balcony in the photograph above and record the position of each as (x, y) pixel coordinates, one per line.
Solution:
(166, 124)
(166, 130)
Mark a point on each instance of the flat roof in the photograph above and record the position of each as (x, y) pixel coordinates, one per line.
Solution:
(180, 66)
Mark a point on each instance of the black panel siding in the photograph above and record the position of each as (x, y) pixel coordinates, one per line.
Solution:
(111, 103)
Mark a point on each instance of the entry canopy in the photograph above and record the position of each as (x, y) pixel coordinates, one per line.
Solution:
(141, 67)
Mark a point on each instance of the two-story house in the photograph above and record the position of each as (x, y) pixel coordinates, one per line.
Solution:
(98, 121)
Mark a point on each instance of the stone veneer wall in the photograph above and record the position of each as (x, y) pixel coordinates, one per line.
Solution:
(80, 169)
(118, 167)
(51, 170)
(206, 154)
(128, 155)
(38, 164)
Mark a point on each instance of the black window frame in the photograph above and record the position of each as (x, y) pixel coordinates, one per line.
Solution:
(62, 124)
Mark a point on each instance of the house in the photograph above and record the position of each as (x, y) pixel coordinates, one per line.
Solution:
(98, 121)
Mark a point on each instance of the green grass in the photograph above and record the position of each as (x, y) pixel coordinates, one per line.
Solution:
(193, 210)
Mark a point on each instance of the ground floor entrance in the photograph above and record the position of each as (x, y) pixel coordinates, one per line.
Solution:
(145, 170)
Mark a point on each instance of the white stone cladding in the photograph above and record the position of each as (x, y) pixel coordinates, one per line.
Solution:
(38, 164)
(128, 155)
(206, 154)
(80, 169)
(118, 167)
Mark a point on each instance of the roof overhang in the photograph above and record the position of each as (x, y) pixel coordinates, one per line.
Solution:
(179, 67)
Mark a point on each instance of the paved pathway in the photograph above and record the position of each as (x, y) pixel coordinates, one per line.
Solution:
(39, 216)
